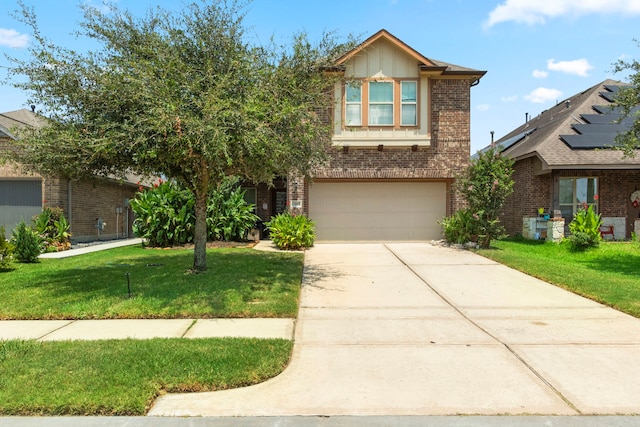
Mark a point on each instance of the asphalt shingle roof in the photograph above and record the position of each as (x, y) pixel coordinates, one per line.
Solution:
(544, 138)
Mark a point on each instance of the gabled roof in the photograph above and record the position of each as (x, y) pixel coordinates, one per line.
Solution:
(574, 134)
(4, 133)
(21, 118)
(426, 64)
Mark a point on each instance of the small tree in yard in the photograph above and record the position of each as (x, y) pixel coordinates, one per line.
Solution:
(485, 185)
(181, 95)
(627, 99)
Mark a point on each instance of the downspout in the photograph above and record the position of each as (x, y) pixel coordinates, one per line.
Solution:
(69, 206)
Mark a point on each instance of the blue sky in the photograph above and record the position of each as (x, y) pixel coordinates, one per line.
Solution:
(535, 52)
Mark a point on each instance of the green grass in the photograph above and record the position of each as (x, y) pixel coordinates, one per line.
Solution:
(239, 282)
(124, 377)
(609, 274)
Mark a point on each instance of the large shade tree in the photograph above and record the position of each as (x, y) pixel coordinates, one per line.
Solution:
(181, 95)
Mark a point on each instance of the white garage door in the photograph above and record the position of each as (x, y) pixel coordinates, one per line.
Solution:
(383, 211)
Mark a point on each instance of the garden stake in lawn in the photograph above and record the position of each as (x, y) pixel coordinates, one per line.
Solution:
(128, 286)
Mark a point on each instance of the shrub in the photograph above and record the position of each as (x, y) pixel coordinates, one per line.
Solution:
(6, 251)
(27, 243)
(164, 215)
(53, 228)
(291, 231)
(585, 229)
(485, 185)
(229, 217)
(461, 227)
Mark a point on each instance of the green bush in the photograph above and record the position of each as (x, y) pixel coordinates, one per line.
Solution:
(229, 217)
(53, 228)
(6, 251)
(165, 215)
(291, 231)
(461, 227)
(585, 229)
(27, 243)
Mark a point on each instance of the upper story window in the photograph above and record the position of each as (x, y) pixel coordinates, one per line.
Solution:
(353, 104)
(386, 103)
(409, 103)
(381, 103)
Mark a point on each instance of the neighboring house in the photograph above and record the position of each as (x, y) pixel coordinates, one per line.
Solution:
(401, 134)
(563, 160)
(85, 203)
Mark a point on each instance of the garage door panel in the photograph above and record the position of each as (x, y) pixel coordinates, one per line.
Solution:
(377, 211)
(20, 200)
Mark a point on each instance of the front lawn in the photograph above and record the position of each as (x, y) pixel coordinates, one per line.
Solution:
(240, 282)
(123, 377)
(609, 274)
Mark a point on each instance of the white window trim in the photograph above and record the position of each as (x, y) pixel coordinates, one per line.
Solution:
(575, 205)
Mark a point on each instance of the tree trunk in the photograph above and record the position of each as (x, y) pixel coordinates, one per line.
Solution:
(200, 232)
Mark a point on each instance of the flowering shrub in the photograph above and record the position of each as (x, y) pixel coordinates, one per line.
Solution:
(485, 185)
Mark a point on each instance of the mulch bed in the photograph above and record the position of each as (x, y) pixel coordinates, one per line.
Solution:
(212, 245)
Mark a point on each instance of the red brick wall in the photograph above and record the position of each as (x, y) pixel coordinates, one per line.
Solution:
(98, 199)
(531, 192)
(447, 155)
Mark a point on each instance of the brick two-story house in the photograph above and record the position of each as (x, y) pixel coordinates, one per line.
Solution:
(401, 134)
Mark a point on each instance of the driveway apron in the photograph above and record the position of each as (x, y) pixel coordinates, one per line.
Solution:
(417, 329)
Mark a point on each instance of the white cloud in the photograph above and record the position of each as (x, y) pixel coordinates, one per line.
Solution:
(537, 11)
(542, 95)
(539, 74)
(511, 98)
(12, 38)
(483, 107)
(579, 67)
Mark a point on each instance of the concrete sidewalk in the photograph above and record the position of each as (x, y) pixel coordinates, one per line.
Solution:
(57, 330)
(414, 330)
(93, 247)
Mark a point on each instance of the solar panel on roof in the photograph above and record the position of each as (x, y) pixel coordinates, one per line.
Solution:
(601, 128)
(600, 118)
(587, 142)
(503, 145)
(609, 96)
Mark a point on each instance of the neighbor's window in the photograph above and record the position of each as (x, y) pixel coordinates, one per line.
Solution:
(409, 103)
(576, 193)
(381, 103)
(250, 197)
(353, 102)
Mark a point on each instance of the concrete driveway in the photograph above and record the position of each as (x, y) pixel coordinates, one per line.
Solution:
(416, 329)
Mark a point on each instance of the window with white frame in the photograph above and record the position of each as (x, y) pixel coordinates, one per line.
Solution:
(353, 104)
(577, 193)
(385, 103)
(409, 103)
(381, 103)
